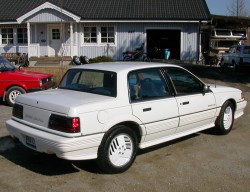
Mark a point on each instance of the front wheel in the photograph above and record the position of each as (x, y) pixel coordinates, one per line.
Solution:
(12, 93)
(225, 120)
(118, 150)
(235, 66)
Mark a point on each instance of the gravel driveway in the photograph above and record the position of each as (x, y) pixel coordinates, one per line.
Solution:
(201, 162)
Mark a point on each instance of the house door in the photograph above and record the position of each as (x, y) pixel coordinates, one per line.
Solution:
(54, 47)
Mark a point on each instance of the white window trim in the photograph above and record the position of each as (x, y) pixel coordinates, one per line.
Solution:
(98, 33)
(15, 38)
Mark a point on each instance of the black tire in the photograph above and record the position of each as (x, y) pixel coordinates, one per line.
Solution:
(235, 66)
(225, 120)
(117, 155)
(76, 60)
(12, 93)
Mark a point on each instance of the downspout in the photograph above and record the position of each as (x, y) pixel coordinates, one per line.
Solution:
(199, 43)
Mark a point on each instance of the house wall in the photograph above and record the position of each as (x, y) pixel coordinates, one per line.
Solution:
(128, 36)
(132, 35)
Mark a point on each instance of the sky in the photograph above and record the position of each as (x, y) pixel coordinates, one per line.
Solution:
(219, 7)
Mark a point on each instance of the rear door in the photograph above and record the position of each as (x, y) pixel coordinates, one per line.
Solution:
(153, 103)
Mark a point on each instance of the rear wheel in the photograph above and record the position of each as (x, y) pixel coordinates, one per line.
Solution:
(118, 150)
(12, 93)
(225, 120)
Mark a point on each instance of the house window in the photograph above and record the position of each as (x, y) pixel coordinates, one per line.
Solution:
(107, 35)
(7, 36)
(22, 35)
(90, 35)
(55, 34)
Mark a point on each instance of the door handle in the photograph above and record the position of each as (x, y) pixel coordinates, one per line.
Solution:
(147, 109)
(185, 103)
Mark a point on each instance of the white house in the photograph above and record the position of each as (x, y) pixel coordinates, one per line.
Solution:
(102, 27)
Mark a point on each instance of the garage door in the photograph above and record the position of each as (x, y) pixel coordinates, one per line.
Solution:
(159, 40)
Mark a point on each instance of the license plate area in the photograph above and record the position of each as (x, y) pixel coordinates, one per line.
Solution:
(30, 141)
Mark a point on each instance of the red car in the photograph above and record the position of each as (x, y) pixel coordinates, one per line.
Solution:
(14, 82)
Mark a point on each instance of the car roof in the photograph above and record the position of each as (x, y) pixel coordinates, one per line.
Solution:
(123, 66)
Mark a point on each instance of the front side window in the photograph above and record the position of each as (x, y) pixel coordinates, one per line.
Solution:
(107, 35)
(7, 36)
(22, 35)
(184, 82)
(90, 35)
(147, 84)
(90, 81)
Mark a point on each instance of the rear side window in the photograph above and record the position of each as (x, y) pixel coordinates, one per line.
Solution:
(147, 85)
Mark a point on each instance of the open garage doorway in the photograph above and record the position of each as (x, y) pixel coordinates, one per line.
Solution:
(160, 39)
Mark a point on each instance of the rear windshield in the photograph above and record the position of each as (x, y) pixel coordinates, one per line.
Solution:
(90, 81)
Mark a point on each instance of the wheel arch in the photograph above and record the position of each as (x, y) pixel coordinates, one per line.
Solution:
(10, 86)
(134, 126)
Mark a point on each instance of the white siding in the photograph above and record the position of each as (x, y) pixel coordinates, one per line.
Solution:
(131, 35)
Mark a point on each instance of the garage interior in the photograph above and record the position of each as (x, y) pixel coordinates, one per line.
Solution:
(160, 39)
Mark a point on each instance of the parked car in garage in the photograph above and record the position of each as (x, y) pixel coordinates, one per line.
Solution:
(14, 82)
(237, 56)
(107, 111)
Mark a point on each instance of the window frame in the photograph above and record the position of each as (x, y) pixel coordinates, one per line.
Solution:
(7, 38)
(99, 36)
(90, 33)
(23, 33)
(201, 87)
(164, 82)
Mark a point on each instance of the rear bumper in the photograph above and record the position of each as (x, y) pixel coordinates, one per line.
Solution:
(80, 148)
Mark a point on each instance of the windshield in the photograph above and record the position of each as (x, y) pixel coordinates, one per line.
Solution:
(90, 81)
(5, 65)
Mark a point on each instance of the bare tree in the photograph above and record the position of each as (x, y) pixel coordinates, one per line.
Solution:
(238, 8)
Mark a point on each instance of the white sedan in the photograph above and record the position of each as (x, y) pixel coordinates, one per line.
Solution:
(107, 111)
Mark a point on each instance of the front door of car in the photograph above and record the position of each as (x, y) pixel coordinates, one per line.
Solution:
(153, 103)
(228, 56)
(196, 108)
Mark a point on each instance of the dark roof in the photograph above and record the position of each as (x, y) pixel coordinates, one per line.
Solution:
(114, 9)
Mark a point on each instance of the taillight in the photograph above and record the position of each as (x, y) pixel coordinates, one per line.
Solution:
(64, 124)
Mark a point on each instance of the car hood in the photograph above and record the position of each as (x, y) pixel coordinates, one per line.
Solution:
(67, 101)
(23, 74)
(221, 89)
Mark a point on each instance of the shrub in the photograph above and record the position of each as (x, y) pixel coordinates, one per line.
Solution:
(101, 59)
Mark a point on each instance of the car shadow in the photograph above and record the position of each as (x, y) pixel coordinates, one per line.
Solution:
(166, 144)
(50, 165)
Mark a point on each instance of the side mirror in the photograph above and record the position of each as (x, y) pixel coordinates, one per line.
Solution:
(206, 89)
